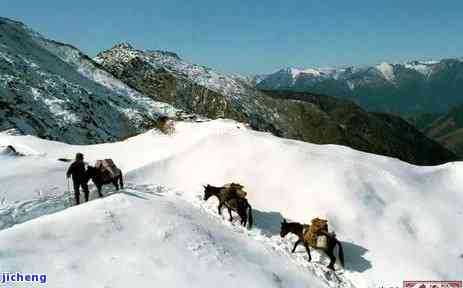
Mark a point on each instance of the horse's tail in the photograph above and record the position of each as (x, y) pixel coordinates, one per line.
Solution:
(340, 251)
(121, 180)
(250, 218)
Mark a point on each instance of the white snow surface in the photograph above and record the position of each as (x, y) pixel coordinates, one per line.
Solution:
(296, 72)
(396, 221)
(424, 67)
(316, 73)
(145, 240)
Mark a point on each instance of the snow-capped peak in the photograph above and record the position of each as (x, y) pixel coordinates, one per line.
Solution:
(295, 72)
(387, 70)
(123, 45)
(423, 67)
(321, 73)
(221, 83)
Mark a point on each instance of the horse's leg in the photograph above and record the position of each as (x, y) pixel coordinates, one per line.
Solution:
(121, 181)
(243, 214)
(220, 208)
(230, 213)
(295, 245)
(308, 251)
(330, 253)
(98, 187)
(116, 184)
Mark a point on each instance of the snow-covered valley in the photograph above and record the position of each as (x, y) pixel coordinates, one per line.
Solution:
(396, 221)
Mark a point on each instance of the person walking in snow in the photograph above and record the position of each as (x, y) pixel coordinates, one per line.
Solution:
(77, 170)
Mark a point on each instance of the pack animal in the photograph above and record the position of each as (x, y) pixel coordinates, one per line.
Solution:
(303, 232)
(105, 172)
(232, 197)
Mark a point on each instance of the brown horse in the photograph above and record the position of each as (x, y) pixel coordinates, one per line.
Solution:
(301, 232)
(99, 180)
(228, 198)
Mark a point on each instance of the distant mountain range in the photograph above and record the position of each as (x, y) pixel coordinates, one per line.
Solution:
(416, 86)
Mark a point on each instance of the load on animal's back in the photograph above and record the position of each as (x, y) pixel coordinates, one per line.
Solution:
(108, 169)
(233, 191)
(315, 235)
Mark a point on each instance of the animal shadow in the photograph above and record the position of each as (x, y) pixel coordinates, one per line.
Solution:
(354, 257)
(267, 222)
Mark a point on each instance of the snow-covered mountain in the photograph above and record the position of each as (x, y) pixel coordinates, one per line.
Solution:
(54, 91)
(165, 76)
(416, 86)
(317, 119)
(396, 221)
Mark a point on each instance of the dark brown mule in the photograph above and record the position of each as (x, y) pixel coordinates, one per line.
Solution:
(232, 202)
(98, 178)
(300, 230)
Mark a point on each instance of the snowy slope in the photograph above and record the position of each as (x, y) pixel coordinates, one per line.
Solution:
(54, 91)
(396, 221)
(145, 240)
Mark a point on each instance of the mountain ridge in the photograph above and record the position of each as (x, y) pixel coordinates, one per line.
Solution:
(55, 91)
(413, 86)
(446, 129)
(201, 90)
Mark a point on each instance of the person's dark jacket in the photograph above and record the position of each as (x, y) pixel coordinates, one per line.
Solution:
(77, 170)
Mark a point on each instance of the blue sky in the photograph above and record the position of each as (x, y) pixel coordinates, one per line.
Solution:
(245, 36)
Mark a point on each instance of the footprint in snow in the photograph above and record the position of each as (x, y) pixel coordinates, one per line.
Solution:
(115, 222)
(277, 280)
